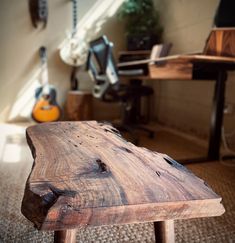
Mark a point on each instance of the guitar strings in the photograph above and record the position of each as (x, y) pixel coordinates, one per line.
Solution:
(75, 17)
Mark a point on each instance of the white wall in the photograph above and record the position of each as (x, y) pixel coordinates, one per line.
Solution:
(19, 44)
(186, 105)
(187, 23)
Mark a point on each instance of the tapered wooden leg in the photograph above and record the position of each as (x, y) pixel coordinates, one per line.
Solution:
(65, 236)
(164, 231)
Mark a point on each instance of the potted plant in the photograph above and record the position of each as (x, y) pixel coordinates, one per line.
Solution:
(142, 24)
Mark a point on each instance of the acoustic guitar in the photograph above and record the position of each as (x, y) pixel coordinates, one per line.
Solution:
(74, 49)
(46, 108)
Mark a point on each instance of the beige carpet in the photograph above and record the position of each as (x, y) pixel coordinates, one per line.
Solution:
(15, 165)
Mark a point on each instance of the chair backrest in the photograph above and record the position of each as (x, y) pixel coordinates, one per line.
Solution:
(102, 67)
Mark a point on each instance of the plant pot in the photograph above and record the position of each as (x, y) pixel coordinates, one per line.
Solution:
(141, 42)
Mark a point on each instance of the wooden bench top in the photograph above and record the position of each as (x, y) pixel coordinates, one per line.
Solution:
(85, 173)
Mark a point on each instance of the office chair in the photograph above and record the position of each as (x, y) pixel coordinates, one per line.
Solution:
(107, 86)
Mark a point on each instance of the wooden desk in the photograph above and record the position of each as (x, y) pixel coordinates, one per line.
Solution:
(184, 67)
(86, 174)
(195, 67)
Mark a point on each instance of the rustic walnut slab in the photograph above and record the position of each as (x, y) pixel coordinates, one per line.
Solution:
(85, 173)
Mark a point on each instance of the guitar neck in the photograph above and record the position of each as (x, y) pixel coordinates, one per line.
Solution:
(44, 74)
(44, 68)
(75, 18)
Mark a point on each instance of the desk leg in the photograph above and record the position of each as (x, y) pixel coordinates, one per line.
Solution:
(65, 236)
(217, 117)
(164, 231)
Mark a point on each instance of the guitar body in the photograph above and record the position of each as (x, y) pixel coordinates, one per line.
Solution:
(74, 52)
(46, 108)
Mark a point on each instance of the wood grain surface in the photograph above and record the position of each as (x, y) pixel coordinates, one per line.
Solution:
(190, 57)
(178, 68)
(85, 173)
(221, 42)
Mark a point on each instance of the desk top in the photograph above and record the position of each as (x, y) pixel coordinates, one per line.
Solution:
(184, 57)
(180, 67)
(85, 173)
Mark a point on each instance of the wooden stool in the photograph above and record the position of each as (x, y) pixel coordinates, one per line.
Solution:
(79, 105)
(86, 174)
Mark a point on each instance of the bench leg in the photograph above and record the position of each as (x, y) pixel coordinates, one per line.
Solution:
(65, 236)
(164, 231)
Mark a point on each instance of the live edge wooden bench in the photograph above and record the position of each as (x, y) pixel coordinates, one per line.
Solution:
(86, 174)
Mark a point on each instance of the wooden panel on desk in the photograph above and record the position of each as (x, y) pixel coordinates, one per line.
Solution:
(221, 42)
(178, 68)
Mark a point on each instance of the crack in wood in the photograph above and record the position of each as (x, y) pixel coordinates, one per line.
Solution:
(113, 131)
(158, 173)
(126, 150)
(175, 164)
(50, 198)
(102, 166)
(70, 207)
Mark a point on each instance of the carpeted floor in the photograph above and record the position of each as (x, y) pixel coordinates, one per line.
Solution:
(15, 165)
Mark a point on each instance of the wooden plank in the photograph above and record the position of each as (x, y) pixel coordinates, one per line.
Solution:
(206, 58)
(148, 61)
(85, 173)
(178, 67)
(192, 57)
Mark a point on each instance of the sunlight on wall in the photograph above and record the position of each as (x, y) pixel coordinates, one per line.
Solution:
(5, 111)
(25, 100)
(12, 141)
(93, 20)
(11, 153)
